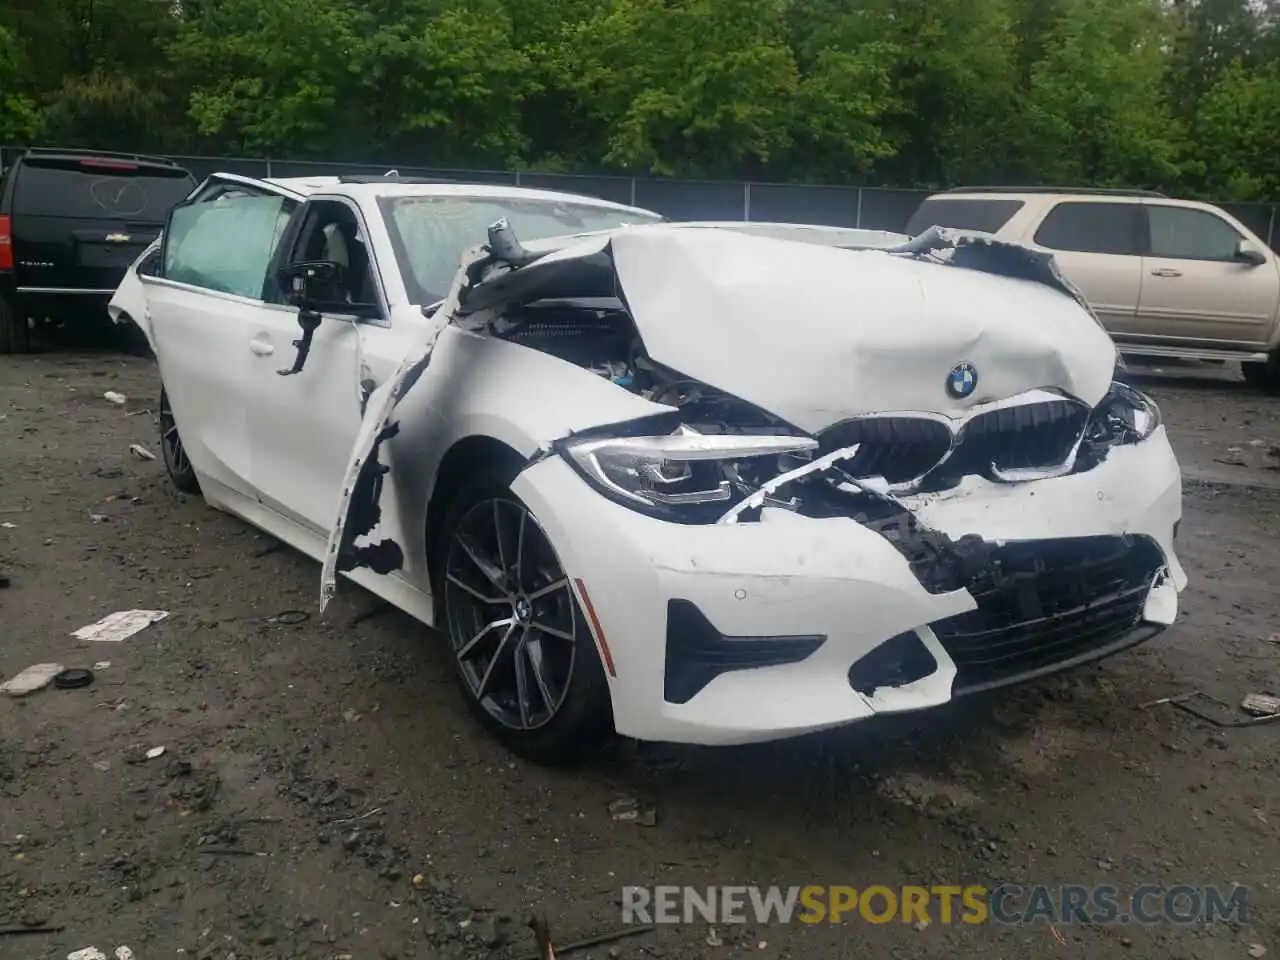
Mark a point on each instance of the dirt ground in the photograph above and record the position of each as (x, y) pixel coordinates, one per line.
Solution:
(323, 792)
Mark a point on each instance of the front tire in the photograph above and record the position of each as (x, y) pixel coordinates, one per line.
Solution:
(15, 334)
(521, 647)
(176, 461)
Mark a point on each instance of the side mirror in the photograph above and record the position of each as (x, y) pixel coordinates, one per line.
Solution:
(1250, 253)
(315, 286)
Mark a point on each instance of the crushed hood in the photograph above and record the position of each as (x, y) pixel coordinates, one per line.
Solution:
(816, 334)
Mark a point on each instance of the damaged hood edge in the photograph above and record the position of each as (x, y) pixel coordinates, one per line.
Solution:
(860, 332)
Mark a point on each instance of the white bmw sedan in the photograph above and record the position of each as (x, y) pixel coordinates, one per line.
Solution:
(704, 483)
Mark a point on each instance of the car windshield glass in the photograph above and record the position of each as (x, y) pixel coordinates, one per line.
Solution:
(430, 234)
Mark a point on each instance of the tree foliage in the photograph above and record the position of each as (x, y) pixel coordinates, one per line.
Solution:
(1176, 94)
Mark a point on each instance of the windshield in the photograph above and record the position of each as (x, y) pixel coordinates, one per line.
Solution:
(430, 234)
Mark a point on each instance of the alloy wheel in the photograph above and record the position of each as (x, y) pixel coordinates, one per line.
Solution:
(174, 453)
(512, 619)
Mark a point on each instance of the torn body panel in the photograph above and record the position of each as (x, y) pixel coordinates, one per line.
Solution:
(867, 560)
(129, 302)
(858, 584)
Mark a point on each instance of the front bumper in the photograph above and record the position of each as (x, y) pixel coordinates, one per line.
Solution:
(803, 600)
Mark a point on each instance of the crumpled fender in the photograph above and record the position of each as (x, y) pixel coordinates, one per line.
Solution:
(129, 302)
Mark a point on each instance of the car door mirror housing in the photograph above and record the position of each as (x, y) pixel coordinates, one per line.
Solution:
(321, 286)
(1249, 252)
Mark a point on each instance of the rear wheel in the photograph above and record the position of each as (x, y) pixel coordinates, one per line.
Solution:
(15, 334)
(521, 646)
(175, 456)
(1264, 375)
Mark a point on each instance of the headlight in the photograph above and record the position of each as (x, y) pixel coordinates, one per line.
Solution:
(1125, 415)
(684, 469)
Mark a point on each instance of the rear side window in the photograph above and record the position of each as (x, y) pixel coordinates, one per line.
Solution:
(143, 194)
(225, 244)
(1087, 227)
(963, 214)
(1187, 234)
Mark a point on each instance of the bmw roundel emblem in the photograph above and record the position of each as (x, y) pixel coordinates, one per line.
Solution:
(962, 380)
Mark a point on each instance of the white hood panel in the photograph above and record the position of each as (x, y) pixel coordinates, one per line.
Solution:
(817, 335)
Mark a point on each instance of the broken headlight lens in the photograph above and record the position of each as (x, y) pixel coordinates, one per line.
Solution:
(1125, 415)
(683, 469)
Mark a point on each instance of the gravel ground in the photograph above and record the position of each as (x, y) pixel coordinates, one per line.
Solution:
(324, 794)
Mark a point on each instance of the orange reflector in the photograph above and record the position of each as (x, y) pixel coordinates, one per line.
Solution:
(595, 627)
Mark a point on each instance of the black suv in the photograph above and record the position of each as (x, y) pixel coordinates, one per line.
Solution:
(71, 223)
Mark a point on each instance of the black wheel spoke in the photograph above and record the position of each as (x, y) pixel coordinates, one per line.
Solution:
(533, 652)
(551, 631)
(457, 582)
(482, 688)
(520, 660)
(486, 566)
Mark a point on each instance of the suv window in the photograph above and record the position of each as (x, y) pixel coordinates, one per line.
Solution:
(963, 214)
(1188, 234)
(140, 193)
(225, 244)
(1089, 227)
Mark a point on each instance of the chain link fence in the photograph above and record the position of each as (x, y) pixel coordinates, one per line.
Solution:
(871, 208)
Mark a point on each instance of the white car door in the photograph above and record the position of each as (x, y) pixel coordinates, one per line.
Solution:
(1195, 286)
(202, 301)
(303, 426)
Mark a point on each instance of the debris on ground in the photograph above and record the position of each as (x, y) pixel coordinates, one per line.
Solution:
(35, 677)
(1257, 951)
(88, 953)
(73, 678)
(121, 625)
(631, 810)
(140, 452)
(9, 526)
(139, 754)
(1182, 701)
(99, 517)
(119, 399)
(1261, 705)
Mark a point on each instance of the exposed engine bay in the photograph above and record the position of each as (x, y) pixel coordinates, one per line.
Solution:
(871, 459)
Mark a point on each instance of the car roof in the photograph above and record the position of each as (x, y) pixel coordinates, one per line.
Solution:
(1049, 191)
(369, 189)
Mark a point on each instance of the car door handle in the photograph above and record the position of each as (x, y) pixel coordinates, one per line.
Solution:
(1165, 272)
(262, 347)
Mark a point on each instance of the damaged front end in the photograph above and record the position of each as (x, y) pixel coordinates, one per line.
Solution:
(857, 429)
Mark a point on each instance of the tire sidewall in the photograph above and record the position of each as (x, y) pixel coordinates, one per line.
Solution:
(15, 335)
(584, 721)
(184, 480)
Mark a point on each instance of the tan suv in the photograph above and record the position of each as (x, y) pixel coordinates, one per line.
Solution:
(1168, 278)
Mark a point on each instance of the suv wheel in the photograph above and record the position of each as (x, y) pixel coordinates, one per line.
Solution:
(1263, 376)
(15, 335)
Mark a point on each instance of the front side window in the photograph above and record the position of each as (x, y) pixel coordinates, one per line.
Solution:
(1088, 227)
(1187, 234)
(431, 233)
(224, 244)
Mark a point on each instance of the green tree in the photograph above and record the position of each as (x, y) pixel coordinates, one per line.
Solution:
(696, 87)
(1096, 112)
(19, 118)
(1236, 139)
(272, 76)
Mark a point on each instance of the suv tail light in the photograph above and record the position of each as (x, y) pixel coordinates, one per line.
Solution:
(6, 243)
